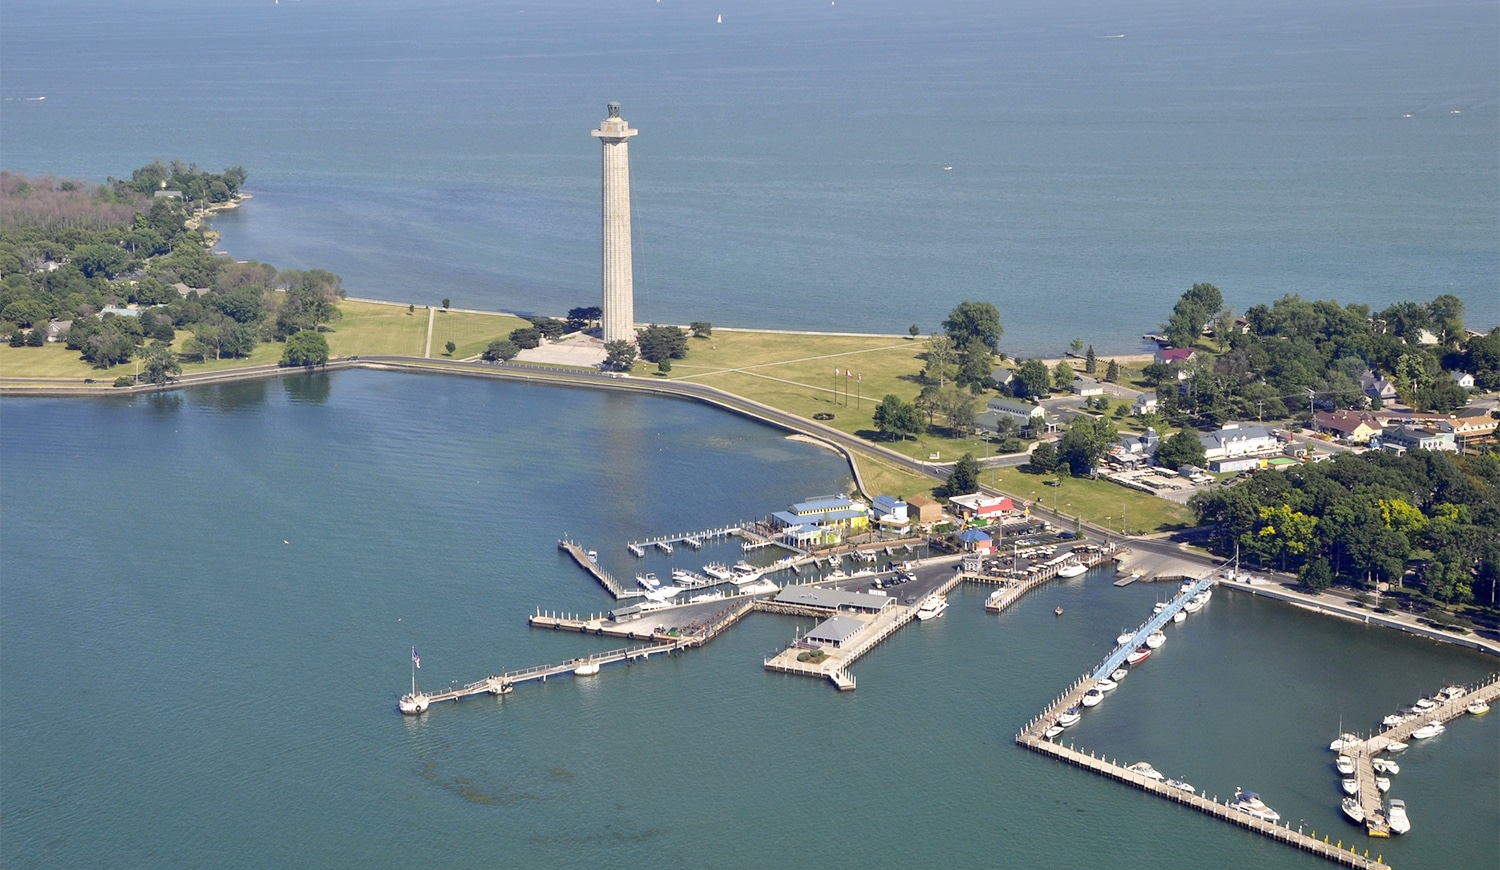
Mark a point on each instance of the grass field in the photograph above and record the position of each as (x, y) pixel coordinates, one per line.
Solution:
(471, 332)
(1097, 501)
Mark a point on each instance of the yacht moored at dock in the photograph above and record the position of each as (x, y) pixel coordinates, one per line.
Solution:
(1250, 803)
(1400, 824)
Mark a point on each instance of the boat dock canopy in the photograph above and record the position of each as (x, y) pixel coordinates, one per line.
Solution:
(833, 599)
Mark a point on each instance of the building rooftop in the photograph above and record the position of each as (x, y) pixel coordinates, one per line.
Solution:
(832, 599)
(835, 630)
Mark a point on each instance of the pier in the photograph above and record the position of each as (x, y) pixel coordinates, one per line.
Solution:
(1365, 751)
(1117, 658)
(1013, 589)
(693, 540)
(581, 556)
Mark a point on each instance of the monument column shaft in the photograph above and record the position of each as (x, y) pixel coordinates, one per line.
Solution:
(619, 275)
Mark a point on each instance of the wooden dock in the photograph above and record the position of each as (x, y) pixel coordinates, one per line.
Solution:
(1018, 587)
(1335, 852)
(581, 556)
(1365, 751)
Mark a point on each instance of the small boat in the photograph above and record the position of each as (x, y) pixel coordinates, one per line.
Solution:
(1179, 785)
(1383, 783)
(1195, 604)
(933, 607)
(1478, 708)
(648, 581)
(1396, 746)
(1400, 824)
(1179, 617)
(1344, 741)
(1124, 638)
(1119, 674)
(594, 556)
(1051, 733)
(1092, 697)
(1431, 729)
(1448, 693)
(1351, 785)
(1160, 606)
(1250, 803)
(715, 595)
(1385, 765)
(1146, 770)
(1138, 656)
(1354, 811)
(718, 571)
(1392, 720)
(1425, 704)
(1073, 569)
(1069, 717)
(1344, 764)
(1057, 612)
(1155, 639)
(1106, 685)
(587, 669)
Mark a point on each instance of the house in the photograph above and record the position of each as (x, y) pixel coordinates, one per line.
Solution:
(1401, 438)
(1462, 379)
(1376, 387)
(1145, 403)
(1086, 386)
(1002, 377)
(1032, 419)
(1136, 450)
(1352, 426)
(976, 541)
(835, 631)
(891, 514)
(923, 509)
(825, 518)
(1237, 446)
(58, 329)
(1174, 356)
(978, 506)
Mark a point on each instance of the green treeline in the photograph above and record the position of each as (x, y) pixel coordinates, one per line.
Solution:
(1426, 519)
(70, 251)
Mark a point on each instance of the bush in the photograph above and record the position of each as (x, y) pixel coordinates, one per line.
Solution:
(125, 381)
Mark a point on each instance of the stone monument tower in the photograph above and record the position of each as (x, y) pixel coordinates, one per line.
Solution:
(619, 282)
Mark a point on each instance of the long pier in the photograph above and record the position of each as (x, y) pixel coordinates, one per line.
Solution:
(1365, 751)
(1015, 589)
(1283, 833)
(1117, 658)
(581, 556)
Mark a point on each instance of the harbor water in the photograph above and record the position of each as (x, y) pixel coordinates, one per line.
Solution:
(210, 599)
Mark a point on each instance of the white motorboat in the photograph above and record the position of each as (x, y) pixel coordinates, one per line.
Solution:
(1250, 803)
(1344, 741)
(1051, 733)
(1092, 697)
(1425, 704)
(1400, 824)
(1180, 786)
(1194, 604)
(758, 587)
(1351, 785)
(1354, 811)
(1383, 783)
(1069, 717)
(715, 595)
(718, 571)
(1385, 765)
(648, 581)
(1160, 606)
(1448, 693)
(587, 669)
(1124, 638)
(1392, 720)
(1397, 746)
(1155, 639)
(1119, 674)
(1072, 570)
(1106, 685)
(1478, 708)
(933, 607)
(1179, 617)
(1146, 770)
(1431, 729)
(1345, 765)
(1140, 655)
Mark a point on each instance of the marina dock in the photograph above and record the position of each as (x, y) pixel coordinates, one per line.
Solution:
(1012, 589)
(1365, 751)
(581, 556)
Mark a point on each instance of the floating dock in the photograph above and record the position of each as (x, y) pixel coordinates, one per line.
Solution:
(581, 556)
(1014, 589)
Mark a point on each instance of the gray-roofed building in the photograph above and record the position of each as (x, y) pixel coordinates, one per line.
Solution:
(1031, 418)
(833, 599)
(835, 631)
(1234, 446)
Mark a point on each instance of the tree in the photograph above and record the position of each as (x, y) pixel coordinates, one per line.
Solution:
(1090, 362)
(895, 417)
(1085, 443)
(582, 318)
(619, 355)
(1076, 345)
(964, 478)
(550, 327)
(1482, 358)
(975, 365)
(502, 350)
(1044, 457)
(411, 309)
(160, 364)
(1192, 313)
(306, 348)
(914, 330)
(665, 366)
(1182, 448)
(959, 406)
(979, 320)
(941, 358)
(701, 329)
(445, 304)
(527, 337)
(450, 347)
(1063, 375)
(1315, 574)
(662, 342)
(1032, 379)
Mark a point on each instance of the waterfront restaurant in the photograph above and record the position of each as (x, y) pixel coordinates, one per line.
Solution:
(825, 518)
(833, 600)
(981, 507)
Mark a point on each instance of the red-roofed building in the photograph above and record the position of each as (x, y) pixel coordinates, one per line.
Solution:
(1353, 426)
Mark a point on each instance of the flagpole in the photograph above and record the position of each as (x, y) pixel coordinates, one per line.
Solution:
(413, 670)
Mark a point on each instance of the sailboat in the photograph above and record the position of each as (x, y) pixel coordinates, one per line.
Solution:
(720, 21)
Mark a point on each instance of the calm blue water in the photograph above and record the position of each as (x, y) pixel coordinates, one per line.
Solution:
(208, 600)
(789, 172)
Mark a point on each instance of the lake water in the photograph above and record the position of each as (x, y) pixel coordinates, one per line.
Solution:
(790, 171)
(209, 599)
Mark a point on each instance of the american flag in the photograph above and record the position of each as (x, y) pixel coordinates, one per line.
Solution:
(416, 659)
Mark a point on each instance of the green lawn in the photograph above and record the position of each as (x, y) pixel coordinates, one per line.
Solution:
(1097, 501)
(471, 332)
